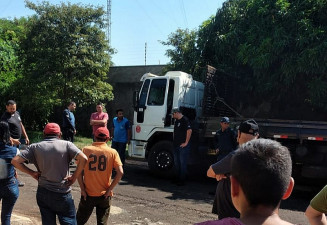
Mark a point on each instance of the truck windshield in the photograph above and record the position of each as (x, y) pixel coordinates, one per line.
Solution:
(157, 92)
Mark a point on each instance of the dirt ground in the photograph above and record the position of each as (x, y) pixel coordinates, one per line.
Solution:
(142, 198)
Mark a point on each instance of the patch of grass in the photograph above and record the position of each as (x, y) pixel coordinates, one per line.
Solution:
(80, 142)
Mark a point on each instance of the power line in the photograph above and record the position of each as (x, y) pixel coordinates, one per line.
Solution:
(184, 13)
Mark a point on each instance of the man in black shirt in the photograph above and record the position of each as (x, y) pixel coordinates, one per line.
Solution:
(16, 127)
(182, 135)
(225, 139)
(223, 205)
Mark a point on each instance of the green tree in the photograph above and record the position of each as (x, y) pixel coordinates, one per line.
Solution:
(185, 53)
(65, 56)
(10, 35)
(275, 49)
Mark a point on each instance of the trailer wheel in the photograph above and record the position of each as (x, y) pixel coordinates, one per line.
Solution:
(161, 159)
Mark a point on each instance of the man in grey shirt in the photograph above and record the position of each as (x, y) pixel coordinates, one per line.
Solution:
(51, 158)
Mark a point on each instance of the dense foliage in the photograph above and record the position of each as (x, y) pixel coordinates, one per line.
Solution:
(276, 49)
(10, 34)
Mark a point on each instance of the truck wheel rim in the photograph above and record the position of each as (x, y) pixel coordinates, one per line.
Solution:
(163, 160)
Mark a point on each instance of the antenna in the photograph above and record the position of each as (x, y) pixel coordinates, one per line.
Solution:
(109, 21)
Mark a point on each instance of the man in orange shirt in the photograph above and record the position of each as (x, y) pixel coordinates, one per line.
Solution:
(96, 183)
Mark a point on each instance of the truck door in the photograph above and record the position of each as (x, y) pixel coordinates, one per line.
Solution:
(153, 103)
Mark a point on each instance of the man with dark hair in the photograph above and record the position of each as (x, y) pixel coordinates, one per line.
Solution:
(96, 184)
(182, 136)
(225, 139)
(68, 122)
(16, 127)
(222, 205)
(98, 119)
(121, 131)
(260, 179)
(51, 157)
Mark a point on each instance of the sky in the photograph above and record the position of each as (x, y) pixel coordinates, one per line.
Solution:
(136, 24)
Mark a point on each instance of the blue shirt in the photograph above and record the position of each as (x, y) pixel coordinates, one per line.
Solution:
(68, 119)
(121, 128)
(6, 154)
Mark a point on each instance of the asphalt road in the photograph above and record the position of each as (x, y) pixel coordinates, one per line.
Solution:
(142, 198)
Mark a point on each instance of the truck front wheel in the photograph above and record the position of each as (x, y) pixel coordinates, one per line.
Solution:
(161, 159)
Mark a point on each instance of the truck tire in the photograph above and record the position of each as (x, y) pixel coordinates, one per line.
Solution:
(161, 159)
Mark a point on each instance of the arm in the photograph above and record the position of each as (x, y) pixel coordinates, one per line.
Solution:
(112, 130)
(221, 167)
(188, 136)
(216, 141)
(102, 122)
(119, 175)
(129, 135)
(98, 122)
(80, 180)
(211, 173)
(315, 217)
(18, 162)
(25, 134)
(15, 142)
(81, 161)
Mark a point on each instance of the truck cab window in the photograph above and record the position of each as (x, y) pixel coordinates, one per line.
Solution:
(157, 92)
(144, 93)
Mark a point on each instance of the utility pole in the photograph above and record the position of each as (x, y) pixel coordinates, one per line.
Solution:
(109, 21)
(145, 54)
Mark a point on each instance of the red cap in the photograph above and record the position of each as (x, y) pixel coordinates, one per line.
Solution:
(102, 132)
(51, 128)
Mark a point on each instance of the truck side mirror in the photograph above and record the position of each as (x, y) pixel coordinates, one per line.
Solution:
(135, 99)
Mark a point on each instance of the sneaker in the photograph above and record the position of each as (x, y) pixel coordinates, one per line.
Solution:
(21, 184)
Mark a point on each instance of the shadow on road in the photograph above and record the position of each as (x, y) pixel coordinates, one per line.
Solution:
(197, 187)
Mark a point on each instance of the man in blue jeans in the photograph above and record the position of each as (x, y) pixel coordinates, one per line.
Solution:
(51, 157)
(121, 130)
(182, 135)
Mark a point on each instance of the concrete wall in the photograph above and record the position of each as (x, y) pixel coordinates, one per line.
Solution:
(125, 80)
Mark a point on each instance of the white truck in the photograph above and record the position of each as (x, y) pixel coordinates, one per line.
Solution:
(152, 130)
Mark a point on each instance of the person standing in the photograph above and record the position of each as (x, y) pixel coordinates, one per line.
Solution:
(98, 119)
(223, 205)
(51, 157)
(16, 127)
(225, 139)
(318, 208)
(96, 183)
(182, 135)
(260, 179)
(9, 190)
(68, 122)
(121, 130)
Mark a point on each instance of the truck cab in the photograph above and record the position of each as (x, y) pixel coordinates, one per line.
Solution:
(152, 130)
